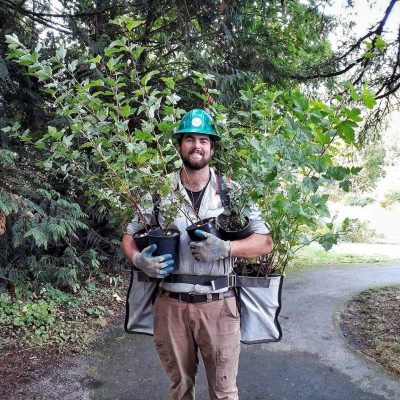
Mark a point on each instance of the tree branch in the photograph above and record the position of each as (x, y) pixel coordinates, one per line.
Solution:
(376, 32)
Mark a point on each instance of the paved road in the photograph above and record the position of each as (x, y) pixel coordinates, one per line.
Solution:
(312, 362)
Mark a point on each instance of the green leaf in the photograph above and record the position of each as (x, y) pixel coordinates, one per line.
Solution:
(320, 164)
(126, 110)
(145, 136)
(27, 59)
(328, 240)
(368, 98)
(355, 170)
(346, 131)
(95, 60)
(40, 144)
(169, 82)
(72, 65)
(345, 224)
(61, 52)
(380, 43)
(112, 63)
(132, 24)
(136, 54)
(13, 39)
(345, 185)
(337, 173)
(353, 114)
(311, 184)
(148, 76)
(369, 54)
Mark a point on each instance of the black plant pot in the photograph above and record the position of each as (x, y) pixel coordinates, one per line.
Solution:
(206, 225)
(167, 241)
(141, 239)
(228, 234)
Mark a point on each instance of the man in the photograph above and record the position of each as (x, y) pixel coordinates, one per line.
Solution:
(188, 315)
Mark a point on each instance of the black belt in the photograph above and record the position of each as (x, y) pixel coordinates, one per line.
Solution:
(198, 298)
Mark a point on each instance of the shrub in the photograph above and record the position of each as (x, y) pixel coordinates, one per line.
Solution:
(356, 200)
(373, 159)
(359, 232)
(119, 128)
(46, 315)
(390, 198)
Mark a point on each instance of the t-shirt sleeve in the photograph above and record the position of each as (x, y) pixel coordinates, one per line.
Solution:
(257, 224)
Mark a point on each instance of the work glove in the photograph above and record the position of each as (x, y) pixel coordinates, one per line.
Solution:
(155, 267)
(211, 249)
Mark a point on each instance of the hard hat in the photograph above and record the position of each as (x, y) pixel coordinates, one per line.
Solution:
(197, 121)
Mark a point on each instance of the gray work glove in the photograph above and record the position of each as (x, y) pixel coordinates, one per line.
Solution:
(155, 267)
(211, 249)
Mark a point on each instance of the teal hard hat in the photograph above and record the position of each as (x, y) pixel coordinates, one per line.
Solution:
(197, 121)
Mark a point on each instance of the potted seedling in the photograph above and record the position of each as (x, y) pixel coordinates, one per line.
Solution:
(203, 224)
(206, 225)
(233, 223)
(167, 238)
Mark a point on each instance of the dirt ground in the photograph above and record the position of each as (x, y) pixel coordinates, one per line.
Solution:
(23, 364)
(371, 324)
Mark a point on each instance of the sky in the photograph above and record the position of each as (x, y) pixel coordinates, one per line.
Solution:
(365, 13)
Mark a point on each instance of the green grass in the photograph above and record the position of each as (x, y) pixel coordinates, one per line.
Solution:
(311, 257)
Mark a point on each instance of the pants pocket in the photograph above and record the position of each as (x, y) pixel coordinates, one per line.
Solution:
(230, 307)
(227, 367)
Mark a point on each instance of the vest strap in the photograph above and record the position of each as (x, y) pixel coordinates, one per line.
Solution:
(216, 282)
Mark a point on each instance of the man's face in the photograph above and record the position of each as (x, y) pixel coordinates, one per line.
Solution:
(195, 150)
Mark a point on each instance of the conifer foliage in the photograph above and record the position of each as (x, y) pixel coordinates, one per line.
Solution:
(39, 228)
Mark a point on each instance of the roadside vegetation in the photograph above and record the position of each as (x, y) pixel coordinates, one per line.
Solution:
(315, 256)
(39, 327)
(370, 322)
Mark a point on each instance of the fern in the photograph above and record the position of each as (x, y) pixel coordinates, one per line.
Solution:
(48, 238)
(7, 157)
(8, 203)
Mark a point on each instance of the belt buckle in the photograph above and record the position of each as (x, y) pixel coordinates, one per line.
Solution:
(191, 298)
(232, 280)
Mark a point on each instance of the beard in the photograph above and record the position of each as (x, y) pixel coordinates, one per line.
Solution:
(195, 164)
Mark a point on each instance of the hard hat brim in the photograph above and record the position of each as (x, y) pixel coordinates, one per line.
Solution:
(182, 132)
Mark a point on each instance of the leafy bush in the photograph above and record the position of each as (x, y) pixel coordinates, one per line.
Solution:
(47, 315)
(359, 232)
(117, 141)
(46, 235)
(373, 160)
(357, 200)
(390, 198)
(26, 315)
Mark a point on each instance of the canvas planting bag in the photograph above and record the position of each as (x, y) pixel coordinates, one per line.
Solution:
(139, 302)
(259, 312)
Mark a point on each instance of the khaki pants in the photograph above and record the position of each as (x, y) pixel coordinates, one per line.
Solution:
(180, 329)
